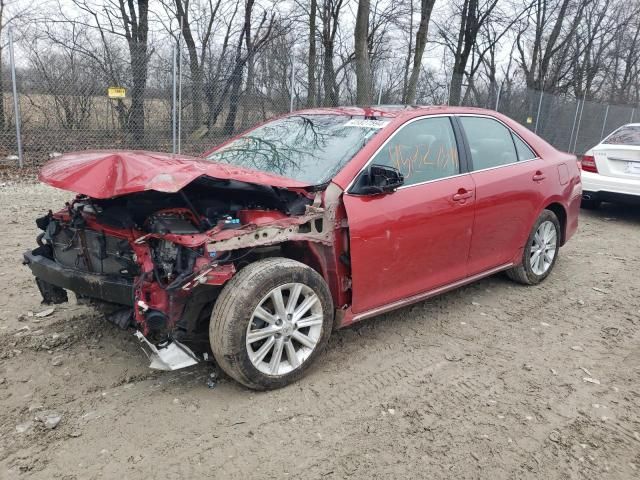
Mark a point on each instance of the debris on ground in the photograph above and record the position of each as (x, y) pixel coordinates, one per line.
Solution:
(51, 420)
(591, 380)
(45, 313)
(24, 427)
(212, 380)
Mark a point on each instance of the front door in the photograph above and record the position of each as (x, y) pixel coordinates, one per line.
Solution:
(417, 238)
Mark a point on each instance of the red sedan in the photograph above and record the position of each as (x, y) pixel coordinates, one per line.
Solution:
(303, 224)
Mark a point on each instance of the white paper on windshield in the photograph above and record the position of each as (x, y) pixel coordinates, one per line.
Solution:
(362, 123)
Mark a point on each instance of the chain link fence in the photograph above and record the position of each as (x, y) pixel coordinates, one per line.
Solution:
(64, 105)
(570, 124)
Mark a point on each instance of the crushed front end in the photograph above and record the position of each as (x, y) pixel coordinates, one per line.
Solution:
(160, 258)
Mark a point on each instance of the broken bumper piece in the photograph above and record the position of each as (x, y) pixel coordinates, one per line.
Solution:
(171, 355)
(110, 289)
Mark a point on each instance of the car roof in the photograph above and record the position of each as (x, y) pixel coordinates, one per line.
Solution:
(395, 111)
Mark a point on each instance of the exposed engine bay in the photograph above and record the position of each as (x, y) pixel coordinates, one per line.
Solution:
(162, 257)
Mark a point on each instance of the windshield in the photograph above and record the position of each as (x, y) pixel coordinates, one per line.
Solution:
(627, 135)
(307, 148)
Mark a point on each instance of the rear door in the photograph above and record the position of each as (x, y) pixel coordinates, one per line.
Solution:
(510, 184)
(619, 154)
(417, 238)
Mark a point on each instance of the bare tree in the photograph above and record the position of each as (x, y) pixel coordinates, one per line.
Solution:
(362, 61)
(330, 15)
(10, 13)
(254, 39)
(623, 67)
(426, 7)
(311, 65)
(473, 15)
(554, 24)
(205, 18)
(129, 20)
(218, 81)
(63, 78)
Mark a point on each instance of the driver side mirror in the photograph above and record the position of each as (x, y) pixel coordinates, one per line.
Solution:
(378, 179)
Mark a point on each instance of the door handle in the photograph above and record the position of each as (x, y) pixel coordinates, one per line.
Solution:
(538, 176)
(462, 195)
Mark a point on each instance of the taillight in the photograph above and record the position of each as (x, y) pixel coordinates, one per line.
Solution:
(588, 163)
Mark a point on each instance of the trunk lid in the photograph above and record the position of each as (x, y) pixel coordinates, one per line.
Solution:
(622, 161)
(107, 174)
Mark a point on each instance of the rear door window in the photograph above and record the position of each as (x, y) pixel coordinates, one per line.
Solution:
(490, 142)
(423, 150)
(627, 135)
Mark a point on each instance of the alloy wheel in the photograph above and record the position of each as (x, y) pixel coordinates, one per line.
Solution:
(284, 329)
(543, 248)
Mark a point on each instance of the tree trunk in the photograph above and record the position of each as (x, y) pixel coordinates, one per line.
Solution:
(139, 73)
(363, 63)
(329, 77)
(196, 69)
(330, 17)
(249, 93)
(136, 28)
(2, 125)
(421, 41)
(407, 61)
(234, 99)
(311, 70)
(197, 95)
(466, 39)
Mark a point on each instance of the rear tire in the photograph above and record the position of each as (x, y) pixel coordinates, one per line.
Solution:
(540, 252)
(256, 330)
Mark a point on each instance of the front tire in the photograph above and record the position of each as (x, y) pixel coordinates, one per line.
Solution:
(270, 323)
(540, 252)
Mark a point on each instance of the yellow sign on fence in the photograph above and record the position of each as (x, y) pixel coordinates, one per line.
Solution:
(116, 92)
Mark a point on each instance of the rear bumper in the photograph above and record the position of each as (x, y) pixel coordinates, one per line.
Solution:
(612, 197)
(594, 183)
(109, 289)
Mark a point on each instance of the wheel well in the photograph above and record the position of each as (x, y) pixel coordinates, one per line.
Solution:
(561, 213)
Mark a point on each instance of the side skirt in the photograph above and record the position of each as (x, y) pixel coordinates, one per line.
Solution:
(350, 317)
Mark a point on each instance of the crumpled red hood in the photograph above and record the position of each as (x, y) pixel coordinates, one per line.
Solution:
(106, 174)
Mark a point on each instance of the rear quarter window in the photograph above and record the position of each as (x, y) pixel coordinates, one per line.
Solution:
(524, 152)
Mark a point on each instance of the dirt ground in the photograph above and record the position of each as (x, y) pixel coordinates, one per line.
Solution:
(491, 381)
